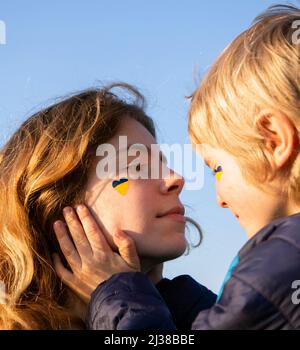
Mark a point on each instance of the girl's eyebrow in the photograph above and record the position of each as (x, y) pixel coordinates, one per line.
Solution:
(133, 144)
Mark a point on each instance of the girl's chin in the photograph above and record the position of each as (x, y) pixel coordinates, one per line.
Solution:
(176, 252)
(163, 255)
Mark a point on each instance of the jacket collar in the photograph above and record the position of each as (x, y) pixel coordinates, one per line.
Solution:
(265, 233)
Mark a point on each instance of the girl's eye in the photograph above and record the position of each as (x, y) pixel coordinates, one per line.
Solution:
(137, 167)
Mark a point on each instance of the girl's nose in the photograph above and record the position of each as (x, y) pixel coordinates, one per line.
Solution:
(173, 183)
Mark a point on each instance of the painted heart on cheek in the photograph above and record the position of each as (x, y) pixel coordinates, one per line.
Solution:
(218, 172)
(121, 186)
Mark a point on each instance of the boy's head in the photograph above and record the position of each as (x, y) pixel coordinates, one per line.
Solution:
(246, 112)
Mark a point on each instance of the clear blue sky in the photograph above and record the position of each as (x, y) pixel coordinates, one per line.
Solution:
(56, 47)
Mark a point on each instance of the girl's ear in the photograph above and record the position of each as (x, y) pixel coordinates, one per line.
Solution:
(279, 132)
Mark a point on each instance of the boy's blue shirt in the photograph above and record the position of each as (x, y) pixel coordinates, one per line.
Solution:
(232, 266)
(257, 292)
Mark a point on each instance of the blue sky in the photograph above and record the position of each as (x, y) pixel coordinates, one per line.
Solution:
(57, 47)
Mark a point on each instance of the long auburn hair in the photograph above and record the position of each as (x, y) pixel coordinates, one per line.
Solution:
(43, 168)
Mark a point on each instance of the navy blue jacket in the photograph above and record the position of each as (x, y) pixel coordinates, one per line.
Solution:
(259, 291)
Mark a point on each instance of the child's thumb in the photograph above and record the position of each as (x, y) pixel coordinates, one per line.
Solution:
(127, 249)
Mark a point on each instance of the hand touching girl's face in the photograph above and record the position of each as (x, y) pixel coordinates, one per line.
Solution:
(141, 210)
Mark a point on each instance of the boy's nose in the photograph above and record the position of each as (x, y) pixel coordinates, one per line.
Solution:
(173, 183)
(221, 203)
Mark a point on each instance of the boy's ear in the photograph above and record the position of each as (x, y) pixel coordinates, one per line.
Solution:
(281, 139)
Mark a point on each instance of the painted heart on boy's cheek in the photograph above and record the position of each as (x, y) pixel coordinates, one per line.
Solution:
(121, 186)
(218, 175)
(218, 172)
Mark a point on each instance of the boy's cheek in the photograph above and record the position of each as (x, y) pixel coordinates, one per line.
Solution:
(221, 188)
(226, 192)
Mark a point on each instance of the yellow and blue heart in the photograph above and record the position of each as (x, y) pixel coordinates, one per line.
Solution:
(121, 186)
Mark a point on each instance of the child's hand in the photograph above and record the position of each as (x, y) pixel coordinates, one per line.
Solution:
(92, 261)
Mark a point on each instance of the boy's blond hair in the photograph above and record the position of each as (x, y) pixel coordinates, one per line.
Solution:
(259, 69)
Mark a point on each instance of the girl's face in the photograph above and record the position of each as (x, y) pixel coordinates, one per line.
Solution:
(253, 207)
(141, 211)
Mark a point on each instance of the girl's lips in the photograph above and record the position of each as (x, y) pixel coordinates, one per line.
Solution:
(175, 217)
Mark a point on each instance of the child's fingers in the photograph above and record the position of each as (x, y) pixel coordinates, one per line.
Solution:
(77, 232)
(92, 230)
(64, 274)
(127, 250)
(65, 244)
(70, 280)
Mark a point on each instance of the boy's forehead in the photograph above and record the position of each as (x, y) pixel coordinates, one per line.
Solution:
(209, 154)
